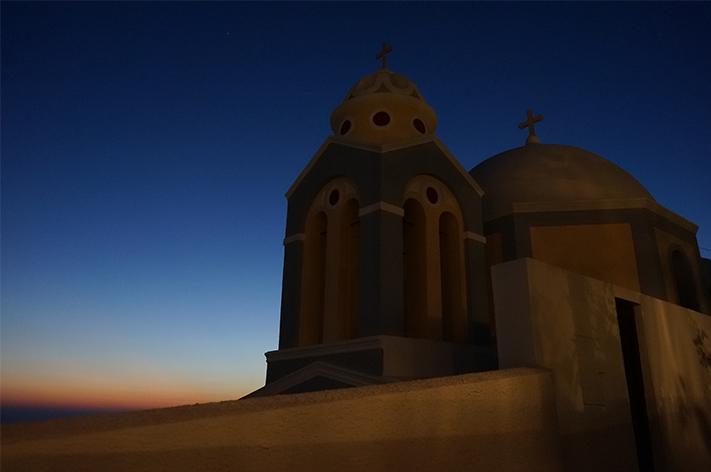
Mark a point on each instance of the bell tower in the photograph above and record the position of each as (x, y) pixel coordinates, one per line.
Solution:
(385, 274)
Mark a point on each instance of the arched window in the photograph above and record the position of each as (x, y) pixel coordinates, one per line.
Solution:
(684, 280)
(330, 270)
(434, 272)
(415, 270)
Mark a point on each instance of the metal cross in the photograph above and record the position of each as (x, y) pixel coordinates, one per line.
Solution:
(529, 123)
(382, 55)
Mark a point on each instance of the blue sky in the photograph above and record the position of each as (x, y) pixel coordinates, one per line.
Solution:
(146, 149)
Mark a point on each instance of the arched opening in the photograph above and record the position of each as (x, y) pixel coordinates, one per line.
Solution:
(349, 269)
(684, 280)
(313, 280)
(415, 271)
(452, 279)
(434, 275)
(330, 266)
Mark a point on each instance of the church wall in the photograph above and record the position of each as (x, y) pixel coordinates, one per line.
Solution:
(415, 269)
(313, 280)
(666, 243)
(434, 274)
(389, 357)
(516, 236)
(382, 300)
(291, 294)
(368, 360)
(494, 248)
(480, 308)
(602, 251)
(649, 268)
(502, 229)
(705, 267)
(361, 166)
(329, 265)
(549, 317)
(676, 343)
(503, 421)
(400, 166)
(381, 178)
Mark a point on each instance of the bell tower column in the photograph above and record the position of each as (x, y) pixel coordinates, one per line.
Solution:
(381, 308)
(291, 291)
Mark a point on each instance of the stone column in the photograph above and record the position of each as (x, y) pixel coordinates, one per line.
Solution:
(291, 292)
(381, 275)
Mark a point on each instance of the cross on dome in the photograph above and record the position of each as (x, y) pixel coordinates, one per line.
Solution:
(382, 55)
(530, 124)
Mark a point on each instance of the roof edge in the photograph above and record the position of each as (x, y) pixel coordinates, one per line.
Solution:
(603, 204)
(384, 149)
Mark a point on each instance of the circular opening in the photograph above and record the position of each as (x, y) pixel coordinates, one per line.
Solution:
(381, 118)
(432, 195)
(345, 127)
(419, 125)
(333, 197)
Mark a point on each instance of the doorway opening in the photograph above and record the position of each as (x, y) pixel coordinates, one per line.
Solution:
(627, 323)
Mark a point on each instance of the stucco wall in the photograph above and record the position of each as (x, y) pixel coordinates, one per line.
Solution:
(503, 421)
(665, 243)
(602, 251)
(676, 347)
(381, 179)
(549, 317)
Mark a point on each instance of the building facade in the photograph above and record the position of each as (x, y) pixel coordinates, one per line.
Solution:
(390, 243)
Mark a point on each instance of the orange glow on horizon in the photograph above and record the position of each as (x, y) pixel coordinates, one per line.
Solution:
(115, 393)
(133, 402)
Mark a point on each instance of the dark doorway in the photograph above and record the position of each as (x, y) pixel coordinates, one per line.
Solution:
(635, 382)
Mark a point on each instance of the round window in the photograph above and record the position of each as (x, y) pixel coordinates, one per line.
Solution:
(432, 195)
(345, 127)
(333, 197)
(419, 125)
(381, 118)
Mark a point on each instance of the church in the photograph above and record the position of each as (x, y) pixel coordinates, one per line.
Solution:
(400, 264)
(541, 311)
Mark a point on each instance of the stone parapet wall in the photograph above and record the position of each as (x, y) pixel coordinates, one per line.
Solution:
(503, 421)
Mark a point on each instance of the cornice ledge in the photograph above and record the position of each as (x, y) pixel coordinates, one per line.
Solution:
(603, 204)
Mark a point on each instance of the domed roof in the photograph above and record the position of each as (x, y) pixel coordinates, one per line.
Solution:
(551, 173)
(383, 108)
(383, 81)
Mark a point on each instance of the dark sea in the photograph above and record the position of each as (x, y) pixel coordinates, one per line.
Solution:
(18, 414)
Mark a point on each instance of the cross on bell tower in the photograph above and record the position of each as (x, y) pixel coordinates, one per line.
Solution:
(530, 124)
(382, 55)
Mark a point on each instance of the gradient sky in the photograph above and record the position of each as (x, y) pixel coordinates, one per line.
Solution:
(146, 149)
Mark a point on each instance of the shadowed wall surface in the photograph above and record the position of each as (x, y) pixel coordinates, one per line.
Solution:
(603, 251)
(676, 356)
(568, 323)
(502, 421)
